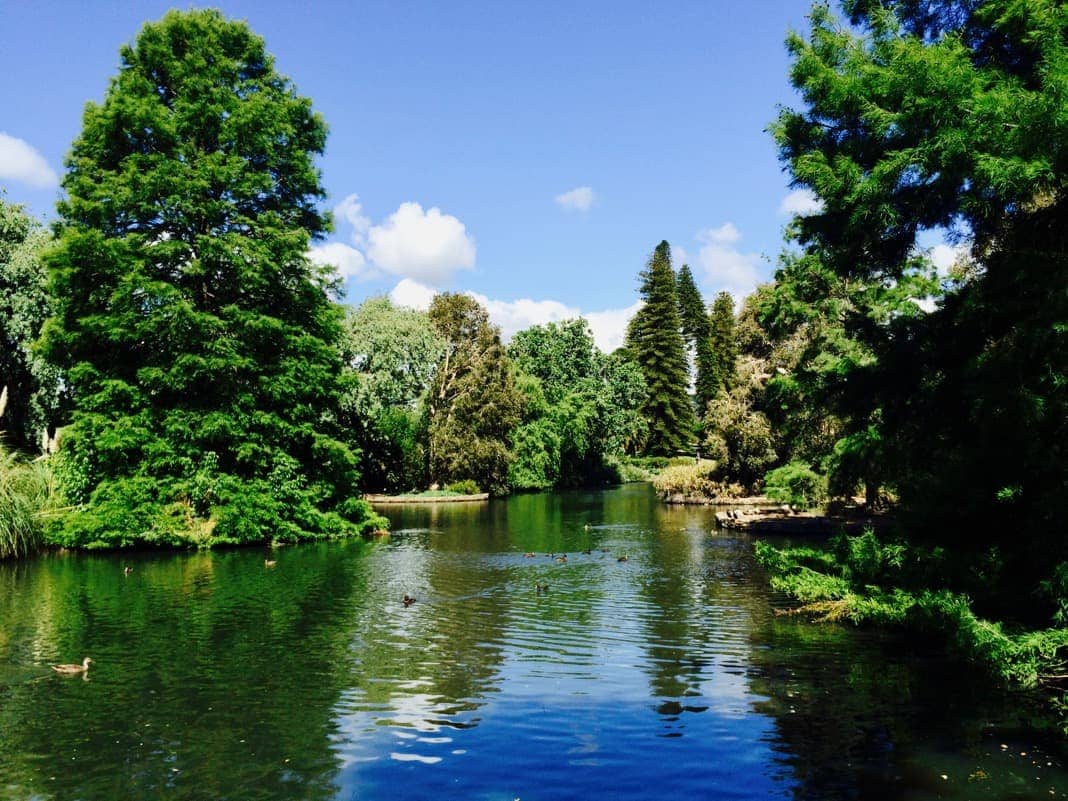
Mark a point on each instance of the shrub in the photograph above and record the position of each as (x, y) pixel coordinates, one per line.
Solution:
(700, 480)
(796, 484)
(27, 494)
(465, 487)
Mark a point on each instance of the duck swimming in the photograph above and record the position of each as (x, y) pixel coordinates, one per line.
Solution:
(73, 670)
(407, 600)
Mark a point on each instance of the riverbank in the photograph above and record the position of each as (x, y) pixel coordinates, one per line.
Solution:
(785, 521)
(860, 580)
(427, 497)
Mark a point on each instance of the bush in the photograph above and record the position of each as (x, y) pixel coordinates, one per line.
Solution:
(465, 487)
(796, 484)
(700, 480)
(27, 494)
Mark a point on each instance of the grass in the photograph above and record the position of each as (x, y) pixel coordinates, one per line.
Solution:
(27, 495)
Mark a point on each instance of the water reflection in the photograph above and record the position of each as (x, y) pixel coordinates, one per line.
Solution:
(661, 676)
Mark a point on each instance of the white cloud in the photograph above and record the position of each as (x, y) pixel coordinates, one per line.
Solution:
(351, 211)
(350, 263)
(515, 315)
(679, 255)
(726, 234)
(581, 198)
(19, 161)
(609, 326)
(427, 246)
(724, 267)
(800, 202)
(412, 294)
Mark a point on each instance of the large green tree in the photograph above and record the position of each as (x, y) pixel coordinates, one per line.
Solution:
(723, 343)
(473, 405)
(199, 340)
(951, 115)
(582, 408)
(390, 354)
(654, 339)
(33, 385)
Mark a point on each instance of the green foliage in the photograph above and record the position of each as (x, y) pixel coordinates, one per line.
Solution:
(655, 341)
(466, 487)
(926, 116)
(198, 339)
(738, 435)
(28, 496)
(473, 405)
(854, 581)
(390, 355)
(581, 409)
(34, 388)
(796, 484)
(722, 346)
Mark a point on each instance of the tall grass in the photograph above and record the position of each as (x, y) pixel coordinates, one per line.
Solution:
(27, 494)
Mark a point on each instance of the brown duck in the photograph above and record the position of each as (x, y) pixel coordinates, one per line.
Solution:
(73, 670)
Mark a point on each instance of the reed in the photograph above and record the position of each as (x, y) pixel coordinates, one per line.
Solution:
(27, 493)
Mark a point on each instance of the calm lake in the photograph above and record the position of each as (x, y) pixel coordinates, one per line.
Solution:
(665, 676)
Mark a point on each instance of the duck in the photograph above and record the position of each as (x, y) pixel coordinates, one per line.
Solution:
(528, 555)
(540, 588)
(587, 552)
(561, 559)
(269, 562)
(623, 558)
(407, 600)
(73, 670)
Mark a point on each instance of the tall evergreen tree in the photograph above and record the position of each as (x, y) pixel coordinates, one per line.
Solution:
(722, 341)
(697, 330)
(654, 338)
(199, 340)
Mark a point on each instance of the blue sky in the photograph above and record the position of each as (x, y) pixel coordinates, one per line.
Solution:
(492, 114)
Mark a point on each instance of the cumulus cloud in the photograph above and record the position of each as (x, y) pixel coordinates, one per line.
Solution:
(350, 211)
(581, 198)
(800, 202)
(726, 234)
(609, 326)
(412, 294)
(724, 267)
(426, 246)
(19, 161)
(348, 261)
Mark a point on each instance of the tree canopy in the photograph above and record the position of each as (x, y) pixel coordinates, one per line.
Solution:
(198, 339)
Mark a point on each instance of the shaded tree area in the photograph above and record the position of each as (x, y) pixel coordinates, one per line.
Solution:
(949, 393)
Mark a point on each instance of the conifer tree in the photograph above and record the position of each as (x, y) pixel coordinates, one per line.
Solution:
(654, 338)
(696, 329)
(199, 341)
(722, 341)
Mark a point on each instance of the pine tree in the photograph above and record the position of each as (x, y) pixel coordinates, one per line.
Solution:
(722, 342)
(696, 329)
(654, 338)
(199, 340)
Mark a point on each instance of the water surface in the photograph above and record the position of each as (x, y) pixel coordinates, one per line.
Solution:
(667, 675)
